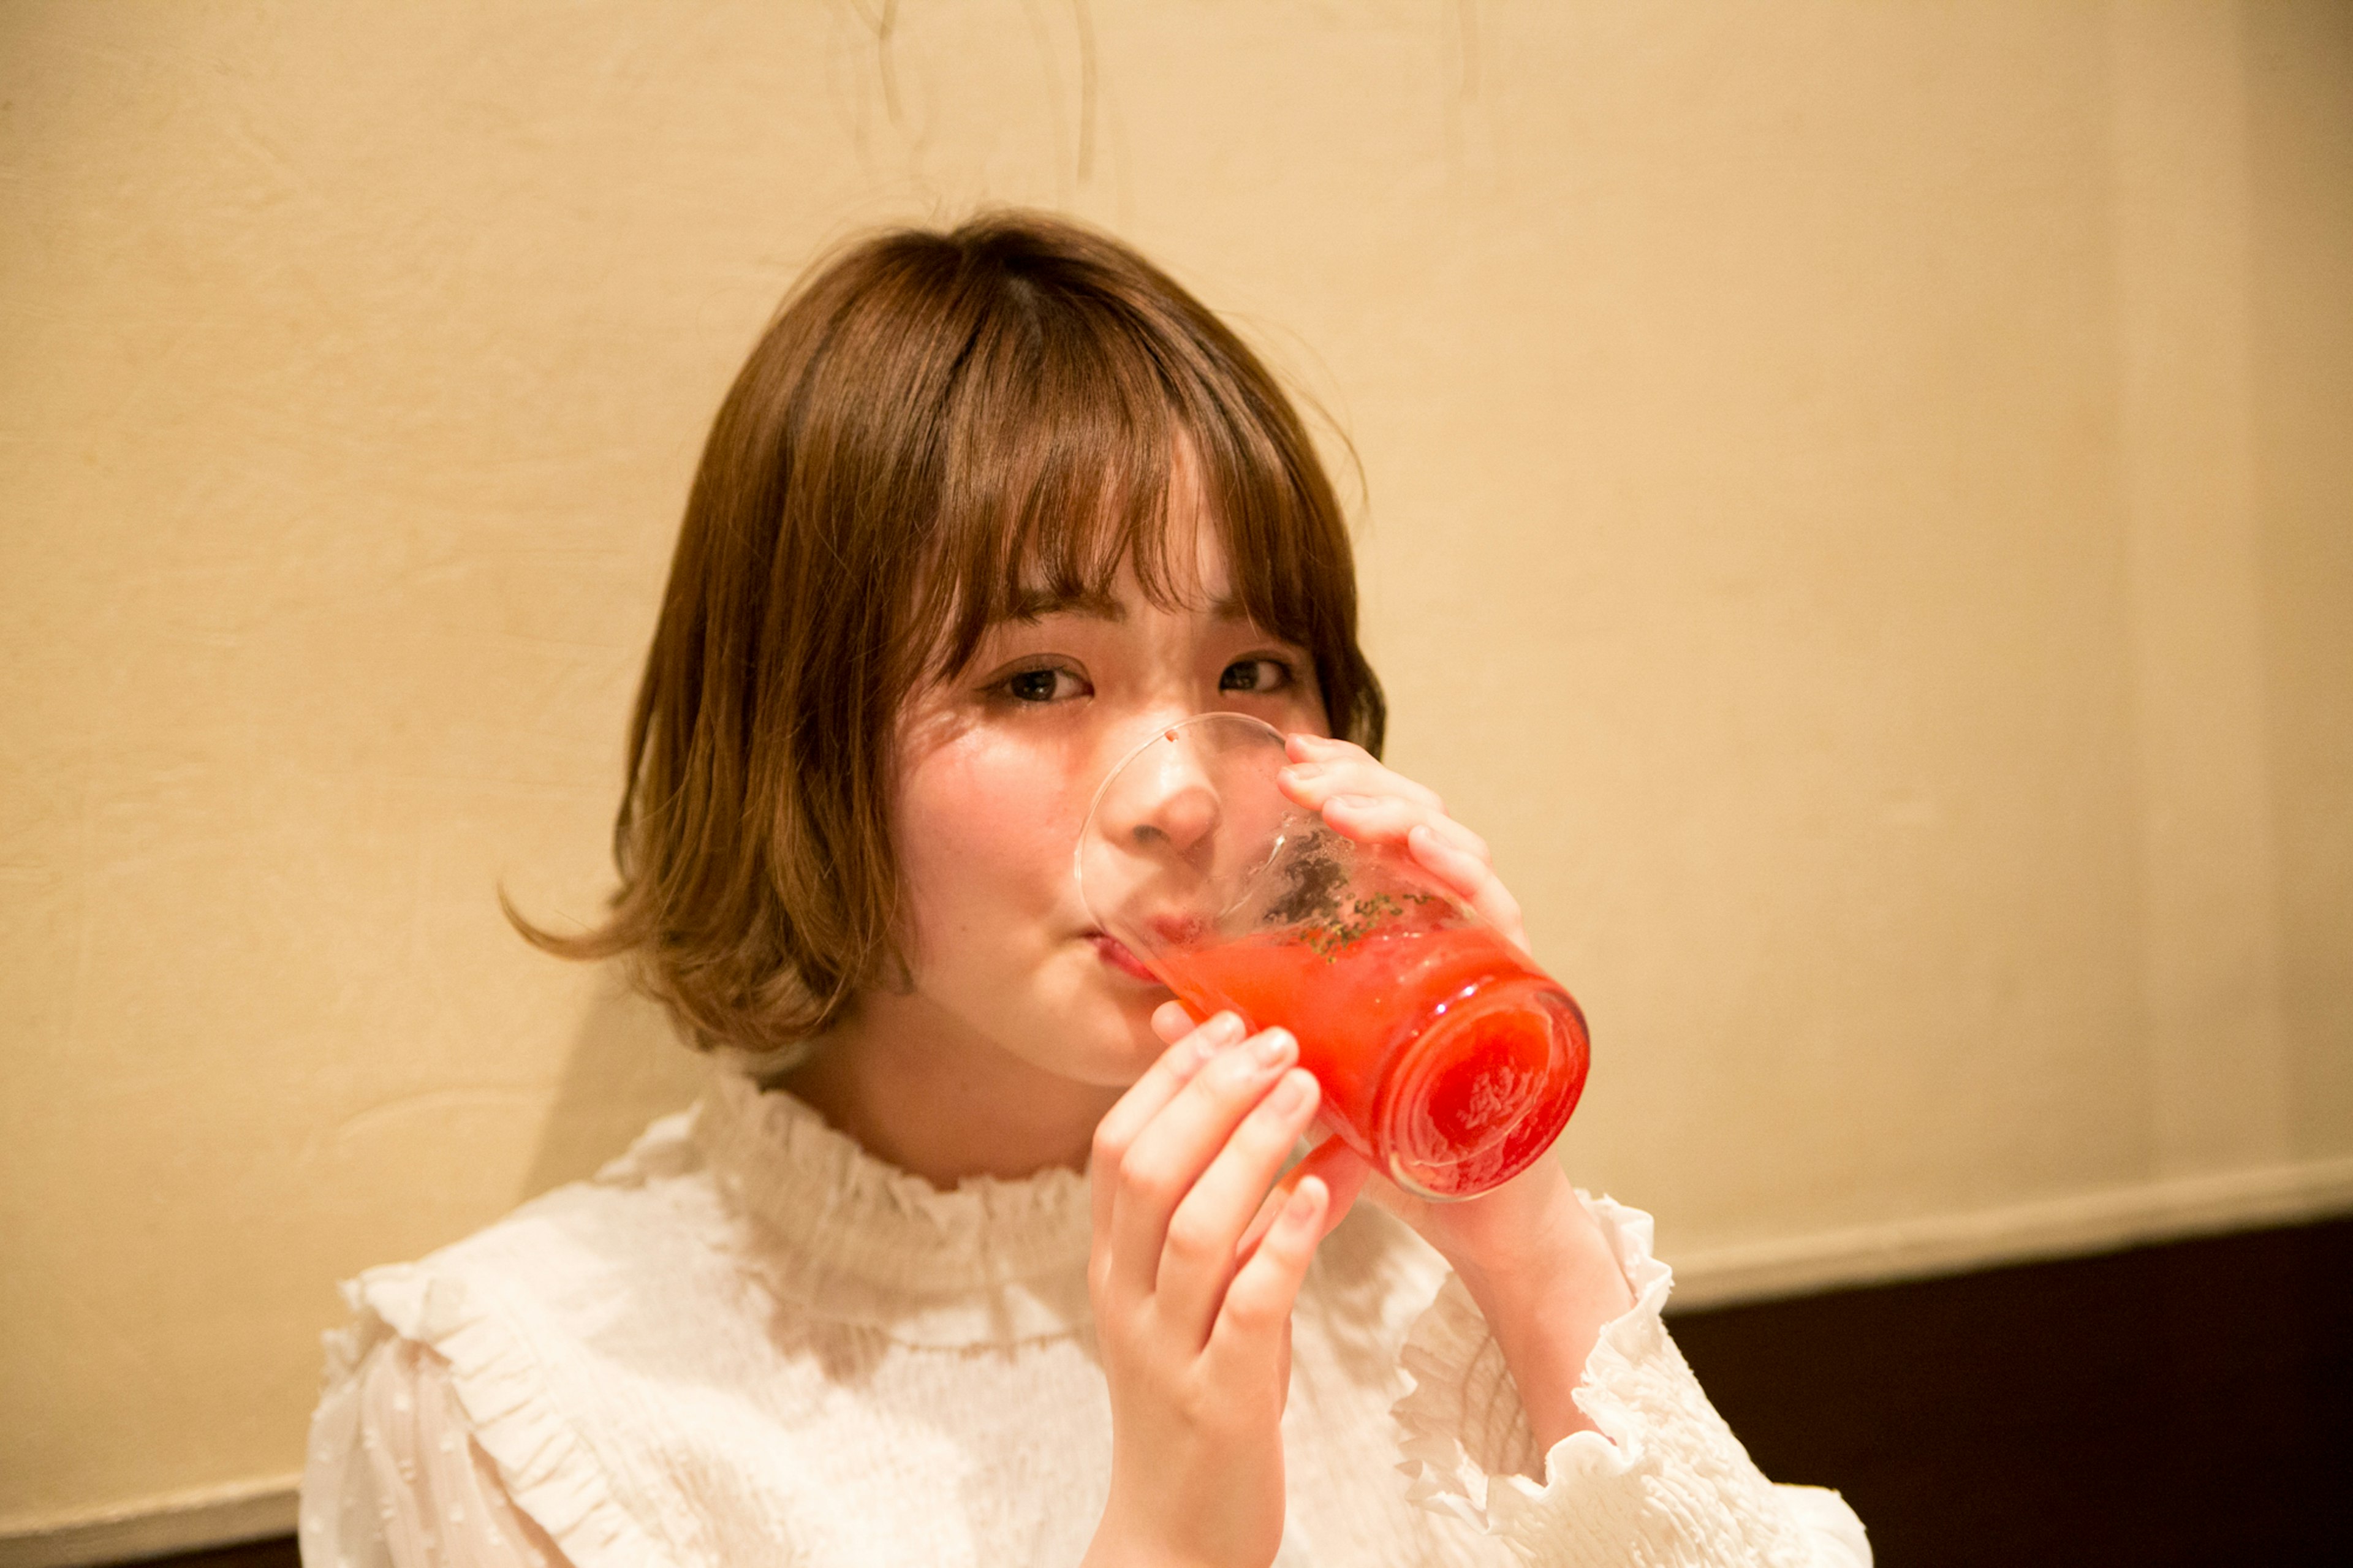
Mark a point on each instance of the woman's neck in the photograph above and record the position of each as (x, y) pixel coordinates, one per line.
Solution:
(921, 1091)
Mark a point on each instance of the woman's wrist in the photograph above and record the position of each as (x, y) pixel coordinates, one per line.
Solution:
(1515, 1237)
(1547, 1279)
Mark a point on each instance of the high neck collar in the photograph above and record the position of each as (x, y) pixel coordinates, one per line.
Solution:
(849, 1239)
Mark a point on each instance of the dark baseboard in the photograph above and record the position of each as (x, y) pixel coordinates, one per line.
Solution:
(2185, 1404)
(277, 1553)
(2190, 1404)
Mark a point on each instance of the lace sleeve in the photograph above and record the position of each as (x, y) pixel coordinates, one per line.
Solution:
(396, 1480)
(1662, 1482)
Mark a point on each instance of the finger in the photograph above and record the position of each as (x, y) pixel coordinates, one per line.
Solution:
(1341, 1171)
(1315, 756)
(1302, 747)
(1168, 1153)
(1172, 1021)
(1471, 880)
(1144, 1100)
(1387, 818)
(1462, 872)
(1344, 1173)
(1249, 1332)
(1311, 782)
(1198, 1256)
(1457, 856)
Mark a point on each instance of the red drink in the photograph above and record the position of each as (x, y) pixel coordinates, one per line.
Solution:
(1446, 1060)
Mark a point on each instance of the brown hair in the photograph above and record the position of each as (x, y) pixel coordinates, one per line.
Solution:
(933, 426)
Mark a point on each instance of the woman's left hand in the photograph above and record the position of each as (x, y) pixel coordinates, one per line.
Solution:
(1373, 804)
(1532, 1257)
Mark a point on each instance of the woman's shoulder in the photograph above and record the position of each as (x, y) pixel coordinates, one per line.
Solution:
(534, 1335)
(650, 1220)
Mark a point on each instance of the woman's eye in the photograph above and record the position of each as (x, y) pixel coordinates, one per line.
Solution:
(1255, 675)
(1039, 685)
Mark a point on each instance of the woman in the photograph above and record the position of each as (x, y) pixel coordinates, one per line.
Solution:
(983, 509)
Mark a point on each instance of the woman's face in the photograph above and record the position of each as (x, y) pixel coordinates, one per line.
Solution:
(996, 769)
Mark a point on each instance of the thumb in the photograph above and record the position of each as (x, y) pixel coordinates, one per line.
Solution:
(1342, 1172)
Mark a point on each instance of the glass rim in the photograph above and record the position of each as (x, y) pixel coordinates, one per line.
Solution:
(1094, 803)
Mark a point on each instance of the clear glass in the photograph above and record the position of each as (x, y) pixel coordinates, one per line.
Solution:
(1447, 1058)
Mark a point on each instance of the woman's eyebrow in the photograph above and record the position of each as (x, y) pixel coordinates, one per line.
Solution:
(1032, 605)
(1036, 603)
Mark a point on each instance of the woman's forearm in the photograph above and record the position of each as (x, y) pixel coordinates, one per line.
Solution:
(1546, 1297)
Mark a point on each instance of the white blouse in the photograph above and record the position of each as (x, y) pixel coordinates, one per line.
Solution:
(748, 1342)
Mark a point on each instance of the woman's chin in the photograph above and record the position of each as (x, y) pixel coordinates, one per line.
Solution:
(1121, 1041)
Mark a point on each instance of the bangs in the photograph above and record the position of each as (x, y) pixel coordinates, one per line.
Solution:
(1080, 437)
(937, 432)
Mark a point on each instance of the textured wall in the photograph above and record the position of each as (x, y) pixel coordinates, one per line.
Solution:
(1857, 513)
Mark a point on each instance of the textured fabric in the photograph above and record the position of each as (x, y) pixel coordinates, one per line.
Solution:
(1662, 1481)
(748, 1342)
(397, 1481)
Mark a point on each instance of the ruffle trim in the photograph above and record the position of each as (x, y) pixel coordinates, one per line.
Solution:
(548, 1470)
(841, 1235)
(1662, 1480)
(1464, 1399)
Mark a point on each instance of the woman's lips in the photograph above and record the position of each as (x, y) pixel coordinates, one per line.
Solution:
(1114, 952)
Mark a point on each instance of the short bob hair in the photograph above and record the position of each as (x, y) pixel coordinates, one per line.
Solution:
(935, 428)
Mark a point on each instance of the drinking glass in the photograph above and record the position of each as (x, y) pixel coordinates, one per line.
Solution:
(1448, 1060)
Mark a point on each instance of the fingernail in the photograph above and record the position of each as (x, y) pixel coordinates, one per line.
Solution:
(1219, 1033)
(1291, 1093)
(1276, 1048)
(1300, 1206)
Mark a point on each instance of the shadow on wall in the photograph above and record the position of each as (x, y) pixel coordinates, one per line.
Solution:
(628, 1065)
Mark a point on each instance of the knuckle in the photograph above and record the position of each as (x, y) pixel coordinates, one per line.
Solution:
(1197, 1404)
(1190, 1239)
(1268, 1129)
(1258, 1129)
(1231, 1079)
(1149, 1183)
(1252, 1310)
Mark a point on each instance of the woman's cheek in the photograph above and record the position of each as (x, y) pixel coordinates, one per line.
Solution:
(981, 828)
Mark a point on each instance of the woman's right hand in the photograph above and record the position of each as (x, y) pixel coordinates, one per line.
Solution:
(1194, 1325)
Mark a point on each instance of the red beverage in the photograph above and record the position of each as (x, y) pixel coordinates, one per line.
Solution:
(1446, 1059)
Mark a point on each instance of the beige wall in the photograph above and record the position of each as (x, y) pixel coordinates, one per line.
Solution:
(1858, 513)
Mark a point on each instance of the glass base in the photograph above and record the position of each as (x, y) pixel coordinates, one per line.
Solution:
(1484, 1090)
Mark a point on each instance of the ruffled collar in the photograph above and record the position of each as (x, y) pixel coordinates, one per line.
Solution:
(847, 1238)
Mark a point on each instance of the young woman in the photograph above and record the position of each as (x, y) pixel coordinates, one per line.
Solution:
(969, 1255)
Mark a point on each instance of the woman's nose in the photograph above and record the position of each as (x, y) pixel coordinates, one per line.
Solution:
(1172, 809)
